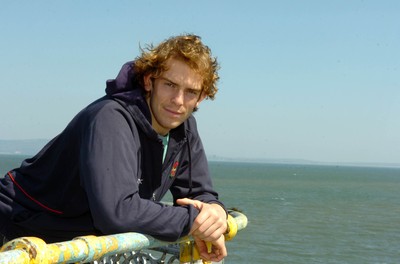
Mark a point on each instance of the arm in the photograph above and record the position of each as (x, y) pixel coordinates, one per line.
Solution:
(210, 224)
(109, 165)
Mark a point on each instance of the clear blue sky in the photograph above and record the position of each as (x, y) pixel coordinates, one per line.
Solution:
(314, 80)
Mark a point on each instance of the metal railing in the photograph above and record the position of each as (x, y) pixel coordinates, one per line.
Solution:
(118, 248)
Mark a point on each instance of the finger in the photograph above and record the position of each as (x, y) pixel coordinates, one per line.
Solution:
(204, 228)
(201, 246)
(203, 222)
(207, 236)
(207, 227)
(187, 201)
(212, 257)
(215, 255)
(222, 252)
(184, 201)
(218, 251)
(204, 249)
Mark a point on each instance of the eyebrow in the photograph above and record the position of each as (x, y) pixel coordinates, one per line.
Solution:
(177, 84)
(168, 80)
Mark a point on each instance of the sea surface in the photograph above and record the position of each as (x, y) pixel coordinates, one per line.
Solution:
(307, 213)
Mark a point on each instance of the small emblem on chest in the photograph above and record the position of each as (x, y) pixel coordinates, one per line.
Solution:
(173, 170)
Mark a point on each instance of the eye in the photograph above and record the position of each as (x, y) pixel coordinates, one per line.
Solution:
(192, 94)
(169, 84)
(192, 91)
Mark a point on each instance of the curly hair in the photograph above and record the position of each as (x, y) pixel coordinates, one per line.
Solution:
(187, 48)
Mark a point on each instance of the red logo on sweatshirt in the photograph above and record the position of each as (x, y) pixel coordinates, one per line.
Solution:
(173, 170)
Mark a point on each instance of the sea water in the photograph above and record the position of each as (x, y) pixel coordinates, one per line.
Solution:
(312, 214)
(307, 213)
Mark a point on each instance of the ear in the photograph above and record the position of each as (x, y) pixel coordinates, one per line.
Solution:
(147, 83)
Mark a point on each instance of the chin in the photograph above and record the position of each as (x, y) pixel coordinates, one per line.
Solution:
(174, 125)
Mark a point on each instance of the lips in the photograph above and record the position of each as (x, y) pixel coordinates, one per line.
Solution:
(172, 112)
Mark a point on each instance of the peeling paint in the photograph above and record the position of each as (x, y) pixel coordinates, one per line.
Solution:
(89, 248)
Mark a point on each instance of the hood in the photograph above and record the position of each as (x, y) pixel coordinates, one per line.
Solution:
(124, 88)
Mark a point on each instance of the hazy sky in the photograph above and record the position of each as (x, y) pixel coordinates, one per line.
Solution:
(314, 80)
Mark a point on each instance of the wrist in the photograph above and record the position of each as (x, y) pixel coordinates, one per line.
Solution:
(221, 209)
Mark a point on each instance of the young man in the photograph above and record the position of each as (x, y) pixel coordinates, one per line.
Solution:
(113, 163)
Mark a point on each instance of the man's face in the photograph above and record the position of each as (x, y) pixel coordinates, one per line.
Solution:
(173, 95)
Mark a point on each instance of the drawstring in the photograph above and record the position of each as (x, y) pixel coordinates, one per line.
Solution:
(190, 167)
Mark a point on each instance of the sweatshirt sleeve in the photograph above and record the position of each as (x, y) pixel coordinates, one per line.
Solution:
(109, 175)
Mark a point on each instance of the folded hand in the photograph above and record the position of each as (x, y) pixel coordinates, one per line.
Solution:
(210, 225)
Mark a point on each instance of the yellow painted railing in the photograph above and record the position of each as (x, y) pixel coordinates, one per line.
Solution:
(91, 248)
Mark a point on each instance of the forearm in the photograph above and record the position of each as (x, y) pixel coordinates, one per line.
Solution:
(164, 222)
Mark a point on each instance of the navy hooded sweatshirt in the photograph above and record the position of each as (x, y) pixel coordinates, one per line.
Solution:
(104, 174)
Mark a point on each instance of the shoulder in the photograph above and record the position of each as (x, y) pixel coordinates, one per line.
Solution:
(191, 123)
(103, 112)
(102, 105)
(104, 108)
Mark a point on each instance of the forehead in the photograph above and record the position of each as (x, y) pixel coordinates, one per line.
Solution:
(180, 73)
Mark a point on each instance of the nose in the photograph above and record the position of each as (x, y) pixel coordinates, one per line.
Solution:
(178, 97)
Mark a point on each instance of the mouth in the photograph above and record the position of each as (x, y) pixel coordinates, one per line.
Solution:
(173, 113)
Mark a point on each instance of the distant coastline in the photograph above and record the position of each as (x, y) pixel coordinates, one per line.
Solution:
(28, 147)
(306, 162)
(21, 147)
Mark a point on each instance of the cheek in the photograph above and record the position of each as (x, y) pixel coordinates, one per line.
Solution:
(194, 104)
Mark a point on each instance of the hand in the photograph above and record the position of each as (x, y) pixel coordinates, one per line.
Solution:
(218, 250)
(210, 224)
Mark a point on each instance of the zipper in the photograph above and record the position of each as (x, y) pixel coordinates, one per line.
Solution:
(166, 180)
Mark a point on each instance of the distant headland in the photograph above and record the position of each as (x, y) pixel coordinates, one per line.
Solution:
(28, 147)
